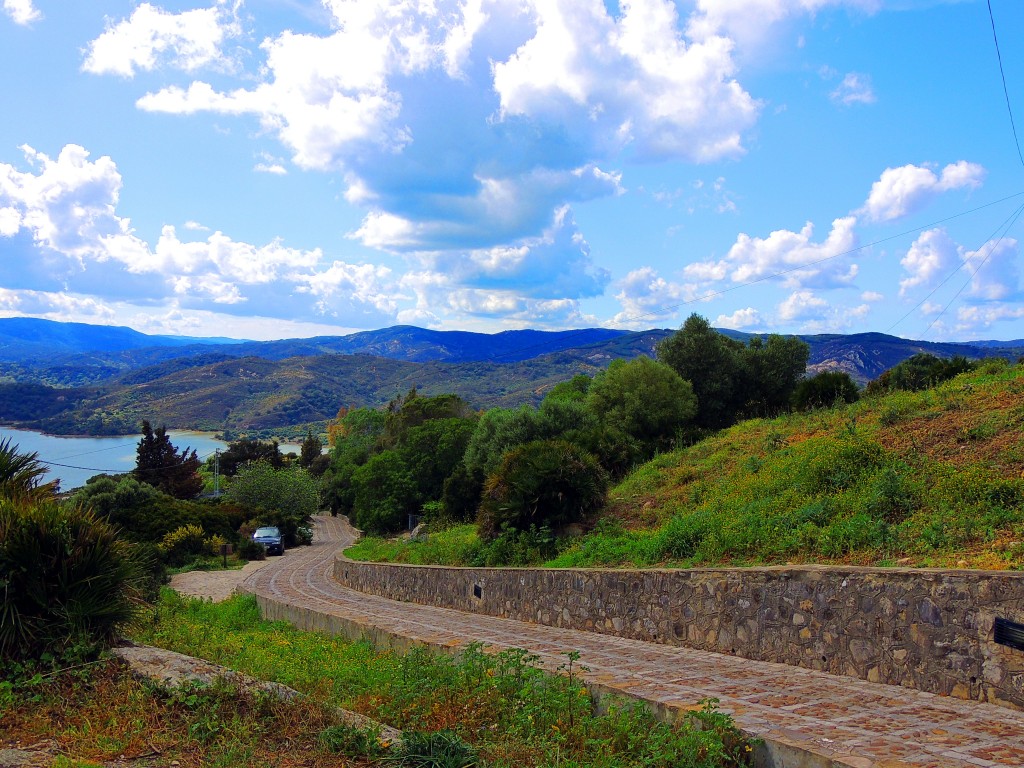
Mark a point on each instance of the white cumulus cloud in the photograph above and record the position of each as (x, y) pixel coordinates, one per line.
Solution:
(646, 297)
(152, 36)
(69, 208)
(905, 190)
(751, 20)
(22, 11)
(931, 257)
(530, 104)
(791, 256)
(814, 314)
(749, 317)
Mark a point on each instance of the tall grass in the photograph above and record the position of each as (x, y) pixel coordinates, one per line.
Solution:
(510, 711)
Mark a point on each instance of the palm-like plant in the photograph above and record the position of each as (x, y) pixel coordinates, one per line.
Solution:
(67, 580)
(21, 474)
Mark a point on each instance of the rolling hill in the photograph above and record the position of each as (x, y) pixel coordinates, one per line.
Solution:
(277, 387)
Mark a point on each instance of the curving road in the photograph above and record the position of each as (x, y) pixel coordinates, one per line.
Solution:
(806, 718)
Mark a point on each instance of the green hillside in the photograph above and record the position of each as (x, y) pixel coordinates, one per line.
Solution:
(257, 396)
(931, 478)
(923, 478)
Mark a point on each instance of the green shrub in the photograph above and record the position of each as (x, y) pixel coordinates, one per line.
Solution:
(250, 550)
(548, 483)
(181, 544)
(212, 544)
(285, 497)
(824, 390)
(66, 579)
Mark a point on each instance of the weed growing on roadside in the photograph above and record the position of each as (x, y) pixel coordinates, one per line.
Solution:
(507, 709)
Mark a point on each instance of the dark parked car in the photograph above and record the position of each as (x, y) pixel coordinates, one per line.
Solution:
(270, 538)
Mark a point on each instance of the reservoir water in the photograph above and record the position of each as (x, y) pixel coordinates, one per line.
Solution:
(73, 460)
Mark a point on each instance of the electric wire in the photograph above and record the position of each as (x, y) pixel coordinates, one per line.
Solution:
(977, 269)
(764, 278)
(98, 450)
(1002, 73)
(121, 471)
(1005, 226)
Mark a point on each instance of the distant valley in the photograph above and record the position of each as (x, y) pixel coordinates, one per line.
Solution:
(65, 378)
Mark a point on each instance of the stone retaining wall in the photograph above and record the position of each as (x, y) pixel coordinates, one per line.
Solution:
(926, 629)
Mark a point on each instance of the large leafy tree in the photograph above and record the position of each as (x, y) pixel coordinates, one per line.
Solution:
(711, 362)
(248, 451)
(384, 493)
(772, 370)
(730, 379)
(825, 389)
(286, 497)
(163, 466)
(643, 398)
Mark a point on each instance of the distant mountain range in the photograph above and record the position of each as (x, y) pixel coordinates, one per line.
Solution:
(71, 378)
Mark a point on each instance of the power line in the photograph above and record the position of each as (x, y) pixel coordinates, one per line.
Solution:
(1005, 225)
(121, 470)
(774, 275)
(1002, 73)
(99, 450)
(977, 269)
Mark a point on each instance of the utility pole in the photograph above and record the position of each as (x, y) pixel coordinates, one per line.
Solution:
(216, 473)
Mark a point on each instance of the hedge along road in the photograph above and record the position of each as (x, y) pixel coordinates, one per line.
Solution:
(806, 718)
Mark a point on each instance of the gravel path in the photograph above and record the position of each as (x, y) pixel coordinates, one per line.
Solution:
(215, 585)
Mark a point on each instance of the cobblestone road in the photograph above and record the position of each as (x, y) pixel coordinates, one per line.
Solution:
(807, 718)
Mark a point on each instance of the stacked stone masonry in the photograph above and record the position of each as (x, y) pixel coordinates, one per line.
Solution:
(932, 630)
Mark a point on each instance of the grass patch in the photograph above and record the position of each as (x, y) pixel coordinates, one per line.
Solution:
(98, 714)
(502, 707)
(456, 545)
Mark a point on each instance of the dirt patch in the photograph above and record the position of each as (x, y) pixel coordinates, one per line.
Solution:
(214, 585)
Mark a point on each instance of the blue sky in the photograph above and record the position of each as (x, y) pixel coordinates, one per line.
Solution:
(275, 168)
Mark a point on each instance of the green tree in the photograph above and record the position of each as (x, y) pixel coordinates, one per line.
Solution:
(712, 363)
(499, 430)
(405, 413)
(384, 493)
(248, 451)
(921, 371)
(771, 372)
(544, 483)
(574, 389)
(312, 449)
(645, 399)
(825, 389)
(432, 451)
(286, 497)
(161, 465)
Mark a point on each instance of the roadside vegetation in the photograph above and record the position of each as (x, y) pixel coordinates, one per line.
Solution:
(926, 469)
(501, 707)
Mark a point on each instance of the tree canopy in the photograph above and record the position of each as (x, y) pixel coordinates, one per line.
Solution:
(163, 466)
(732, 380)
